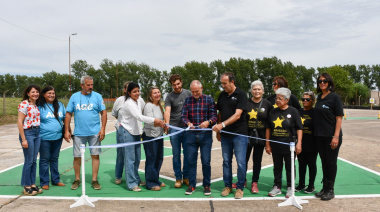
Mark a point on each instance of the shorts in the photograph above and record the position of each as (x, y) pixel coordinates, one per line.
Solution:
(92, 141)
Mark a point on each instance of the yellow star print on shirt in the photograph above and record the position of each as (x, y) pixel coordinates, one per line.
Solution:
(275, 105)
(278, 122)
(303, 120)
(252, 114)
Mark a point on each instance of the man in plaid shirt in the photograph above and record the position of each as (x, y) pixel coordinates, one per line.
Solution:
(199, 111)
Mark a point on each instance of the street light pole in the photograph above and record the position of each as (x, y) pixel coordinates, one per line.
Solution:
(70, 88)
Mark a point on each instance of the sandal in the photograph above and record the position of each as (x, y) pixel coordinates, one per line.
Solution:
(29, 191)
(39, 190)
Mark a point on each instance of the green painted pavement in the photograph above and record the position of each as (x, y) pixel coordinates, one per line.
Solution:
(351, 180)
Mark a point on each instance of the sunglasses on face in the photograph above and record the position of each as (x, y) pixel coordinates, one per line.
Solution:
(306, 99)
(324, 81)
(274, 84)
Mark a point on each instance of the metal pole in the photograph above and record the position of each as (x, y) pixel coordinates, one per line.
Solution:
(70, 88)
(293, 200)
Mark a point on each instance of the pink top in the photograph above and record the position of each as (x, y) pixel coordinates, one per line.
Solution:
(32, 114)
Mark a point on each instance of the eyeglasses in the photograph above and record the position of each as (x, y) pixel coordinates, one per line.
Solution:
(306, 99)
(274, 84)
(324, 81)
(280, 99)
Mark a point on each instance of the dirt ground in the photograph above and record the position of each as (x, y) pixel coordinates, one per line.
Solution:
(360, 145)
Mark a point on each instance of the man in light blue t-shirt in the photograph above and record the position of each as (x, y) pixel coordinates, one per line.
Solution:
(86, 104)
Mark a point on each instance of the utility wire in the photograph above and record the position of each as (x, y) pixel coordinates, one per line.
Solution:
(30, 30)
(84, 51)
(47, 37)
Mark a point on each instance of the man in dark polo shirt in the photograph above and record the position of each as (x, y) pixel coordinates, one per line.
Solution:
(232, 104)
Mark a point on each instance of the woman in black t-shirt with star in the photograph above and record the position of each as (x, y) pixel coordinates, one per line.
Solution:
(284, 125)
(258, 109)
(328, 113)
(308, 156)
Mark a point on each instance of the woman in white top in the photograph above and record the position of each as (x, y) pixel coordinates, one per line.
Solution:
(154, 150)
(28, 123)
(130, 131)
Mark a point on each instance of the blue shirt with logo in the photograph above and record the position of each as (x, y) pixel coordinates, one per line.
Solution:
(50, 128)
(86, 109)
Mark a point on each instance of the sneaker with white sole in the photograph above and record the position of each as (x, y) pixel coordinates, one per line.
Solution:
(275, 191)
(190, 190)
(299, 188)
(207, 191)
(310, 189)
(289, 192)
(254, 188)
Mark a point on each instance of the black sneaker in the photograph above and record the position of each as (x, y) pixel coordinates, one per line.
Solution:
(299, 188)
(310, 189)
(207, 191)
(190, 190)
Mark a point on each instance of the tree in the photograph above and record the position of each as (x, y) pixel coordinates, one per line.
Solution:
(356, 76)
(267, 69)
(10, 84)
(306, 77)
(367, 73)
(22, 82)
(359, 90)
(376, 75)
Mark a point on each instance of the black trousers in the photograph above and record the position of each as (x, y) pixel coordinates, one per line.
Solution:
(307, 159)
(257, 157)
(278, 163)
(328, 157)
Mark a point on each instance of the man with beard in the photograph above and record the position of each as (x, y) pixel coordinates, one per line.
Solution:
(86, 104)
(173, 108)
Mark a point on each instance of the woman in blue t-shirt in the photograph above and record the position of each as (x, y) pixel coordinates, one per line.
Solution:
(52, 115)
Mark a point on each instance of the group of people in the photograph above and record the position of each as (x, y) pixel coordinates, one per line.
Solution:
(40, 123)
(278, 118)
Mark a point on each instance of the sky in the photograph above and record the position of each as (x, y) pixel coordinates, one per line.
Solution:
(34, 37)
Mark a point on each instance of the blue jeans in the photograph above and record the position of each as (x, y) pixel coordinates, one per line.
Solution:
(202, 140)
(119, 158)
(32, 135)
(132, 158)
(176, 142)
(49, 154)
(154, 153)
(231, 144)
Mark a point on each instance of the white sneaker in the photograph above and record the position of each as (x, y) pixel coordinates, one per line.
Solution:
(275, 191)
(289, 192)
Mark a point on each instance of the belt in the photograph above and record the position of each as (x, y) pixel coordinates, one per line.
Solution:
(34, 127)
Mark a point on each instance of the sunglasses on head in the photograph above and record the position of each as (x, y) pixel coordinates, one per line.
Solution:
(306, 99)
(324, 81)
(274, 84)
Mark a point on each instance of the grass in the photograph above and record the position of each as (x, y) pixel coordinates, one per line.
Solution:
(11, 105)
(11, 109)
